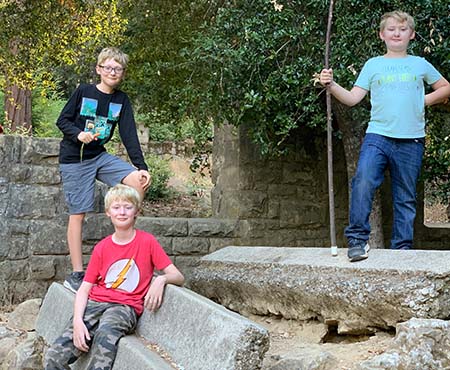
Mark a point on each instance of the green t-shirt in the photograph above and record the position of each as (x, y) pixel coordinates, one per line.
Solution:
(397, 94)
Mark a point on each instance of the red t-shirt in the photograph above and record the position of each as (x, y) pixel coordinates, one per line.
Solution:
(122, 273)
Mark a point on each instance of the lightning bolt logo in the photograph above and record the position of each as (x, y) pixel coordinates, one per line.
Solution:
(121, 277)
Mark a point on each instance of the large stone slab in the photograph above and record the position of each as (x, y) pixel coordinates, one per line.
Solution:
(56, 312)
(308, 283)
(196, 333)
(202, 335)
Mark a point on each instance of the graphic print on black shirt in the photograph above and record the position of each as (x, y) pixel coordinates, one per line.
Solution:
(99, 124)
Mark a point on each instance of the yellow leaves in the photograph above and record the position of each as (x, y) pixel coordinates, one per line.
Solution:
(60, 32)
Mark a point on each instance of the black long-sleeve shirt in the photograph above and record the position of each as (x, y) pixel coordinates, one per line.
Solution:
(89, 109)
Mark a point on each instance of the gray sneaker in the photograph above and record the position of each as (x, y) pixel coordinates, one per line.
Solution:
(74, 280)
(357, 250)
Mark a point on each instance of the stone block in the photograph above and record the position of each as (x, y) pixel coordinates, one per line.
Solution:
(14, 270)
(253, 204)
(208, 227)
(187, 246)
(10, 149)
(294, 213)
(96, 227)
(418, 344)
(26, 174)
(42, 268)
(166, 243)
(18, 247)
(32, 202)
(186, 264)
(196, 333)
(307, 283)
(219, 243)
(160, 226)
(202, 335)
(48, 238)
(40, 151)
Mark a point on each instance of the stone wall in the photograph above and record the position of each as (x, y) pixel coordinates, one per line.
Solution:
(33, 220)
(256, 202)
(285, 201)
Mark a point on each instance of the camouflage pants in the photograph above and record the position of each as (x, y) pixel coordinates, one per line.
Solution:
(106, 323)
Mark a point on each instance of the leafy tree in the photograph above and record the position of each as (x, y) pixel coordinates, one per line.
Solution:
(159, 33)
(37, 37)
(255, 63)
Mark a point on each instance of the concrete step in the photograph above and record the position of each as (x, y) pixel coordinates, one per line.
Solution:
(308, 283)
(196, 333)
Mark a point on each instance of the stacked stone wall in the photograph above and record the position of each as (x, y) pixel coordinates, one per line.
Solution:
(33, 221)
(284, 200)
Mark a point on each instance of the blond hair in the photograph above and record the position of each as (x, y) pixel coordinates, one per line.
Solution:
(400, 17)
(122, 192)
(113, 53)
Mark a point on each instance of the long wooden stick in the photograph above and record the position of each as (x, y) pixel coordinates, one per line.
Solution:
(330, 137)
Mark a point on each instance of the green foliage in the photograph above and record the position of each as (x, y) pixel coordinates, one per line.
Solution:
(158, 32)
(160, 172)
(38, 38)
(164, 127)
(255, 63)
(45, 111)
(437, 158)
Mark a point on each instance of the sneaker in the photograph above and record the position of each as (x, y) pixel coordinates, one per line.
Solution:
(74, 280)
(357, 250)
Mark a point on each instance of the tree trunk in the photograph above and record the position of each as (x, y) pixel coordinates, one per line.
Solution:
(353, 134)
(18, 108)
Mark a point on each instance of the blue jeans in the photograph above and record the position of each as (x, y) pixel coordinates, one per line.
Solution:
(403, 159)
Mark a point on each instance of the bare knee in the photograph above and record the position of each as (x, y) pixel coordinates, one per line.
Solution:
(133, 180)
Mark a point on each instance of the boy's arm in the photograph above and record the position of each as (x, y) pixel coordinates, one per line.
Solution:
(153, 298)
(129, 136)
(440, 94)
(66, 117)
(80, 332)
(350, 98)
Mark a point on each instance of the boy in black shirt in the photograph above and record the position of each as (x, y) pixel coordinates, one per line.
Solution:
(88, 121)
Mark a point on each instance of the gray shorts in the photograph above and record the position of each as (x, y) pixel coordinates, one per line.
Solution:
(79, 179)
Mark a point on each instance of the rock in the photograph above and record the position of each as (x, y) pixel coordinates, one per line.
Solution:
(24, 316)
(27, 356)
(305, 283)
(6, 345)
(419, 344)
(307, 361)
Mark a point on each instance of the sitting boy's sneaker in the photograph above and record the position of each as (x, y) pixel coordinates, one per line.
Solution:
(74, 280)
(357, 250)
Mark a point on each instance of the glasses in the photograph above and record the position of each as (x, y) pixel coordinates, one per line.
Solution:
(109, 69)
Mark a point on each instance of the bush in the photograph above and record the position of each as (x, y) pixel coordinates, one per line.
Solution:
(160, 173)
(164, 127)
(44, 115)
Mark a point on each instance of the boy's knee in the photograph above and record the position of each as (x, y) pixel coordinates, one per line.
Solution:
(134, 180)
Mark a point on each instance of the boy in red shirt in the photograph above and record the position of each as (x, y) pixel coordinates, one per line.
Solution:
(116, 288)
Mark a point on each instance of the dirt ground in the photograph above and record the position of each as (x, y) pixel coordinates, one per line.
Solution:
(191, 194)
(291, 339)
